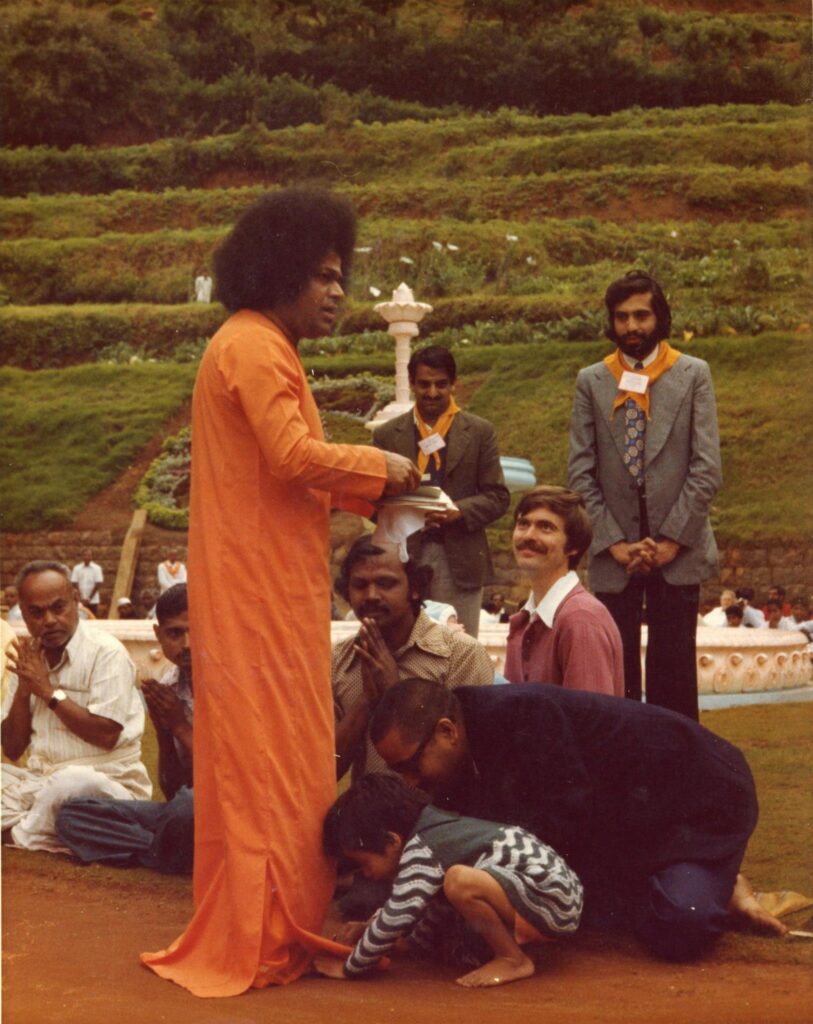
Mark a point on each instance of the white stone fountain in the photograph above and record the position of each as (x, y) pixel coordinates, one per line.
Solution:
(403, 314)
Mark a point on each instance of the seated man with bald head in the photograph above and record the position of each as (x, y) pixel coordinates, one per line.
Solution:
(651, 810)
(72, 705)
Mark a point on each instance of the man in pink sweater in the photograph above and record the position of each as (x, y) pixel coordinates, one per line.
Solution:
(563, 634)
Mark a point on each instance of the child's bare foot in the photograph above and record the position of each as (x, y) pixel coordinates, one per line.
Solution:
(746, 911)
(499, 971)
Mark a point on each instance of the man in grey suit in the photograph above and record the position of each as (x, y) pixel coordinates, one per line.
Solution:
(457, 451)
(645, 455)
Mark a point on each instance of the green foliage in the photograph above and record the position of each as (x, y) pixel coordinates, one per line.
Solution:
(365, 153)
(85, 426)
(164, 488)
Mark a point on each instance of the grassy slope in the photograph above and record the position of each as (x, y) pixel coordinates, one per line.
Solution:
(87, 422)
(69, 433)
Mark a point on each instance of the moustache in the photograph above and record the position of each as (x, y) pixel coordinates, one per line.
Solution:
(369, 609)
(528, 545)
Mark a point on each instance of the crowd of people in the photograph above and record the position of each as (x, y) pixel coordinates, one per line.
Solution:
(486, 816)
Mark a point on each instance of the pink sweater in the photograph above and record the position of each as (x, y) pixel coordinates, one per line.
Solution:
(582, 650)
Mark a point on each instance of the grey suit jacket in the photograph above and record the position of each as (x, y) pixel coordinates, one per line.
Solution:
(681, 466)
(474, 482)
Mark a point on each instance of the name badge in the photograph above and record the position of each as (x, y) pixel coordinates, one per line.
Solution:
(635, 382)
(430, 444)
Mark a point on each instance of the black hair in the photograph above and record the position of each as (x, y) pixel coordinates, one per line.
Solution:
(745, 594)
(638, 282)
(364, 815)
(413, 706)
(419, 577)
(172, 602)
(41, 565)
(734, 611)
(275, 247)
(436, 357)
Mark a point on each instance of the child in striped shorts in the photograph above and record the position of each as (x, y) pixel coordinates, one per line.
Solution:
(506, 885)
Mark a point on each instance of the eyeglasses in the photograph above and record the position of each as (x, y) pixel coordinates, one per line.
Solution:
(412, 765)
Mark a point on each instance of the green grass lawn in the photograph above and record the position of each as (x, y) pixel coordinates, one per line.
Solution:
(68, 433)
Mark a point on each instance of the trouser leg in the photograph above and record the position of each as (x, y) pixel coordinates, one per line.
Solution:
(671, 655)
(684, 908)
(625, 609)
(173, 845)
(113, 831)
(443, 588)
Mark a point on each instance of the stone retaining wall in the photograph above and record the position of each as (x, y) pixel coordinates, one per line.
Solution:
(756, 565)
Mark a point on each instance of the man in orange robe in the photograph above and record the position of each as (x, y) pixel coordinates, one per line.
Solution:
(263, 482)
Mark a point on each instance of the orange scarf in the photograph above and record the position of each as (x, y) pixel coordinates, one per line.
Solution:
(665, 360)
(440, 427)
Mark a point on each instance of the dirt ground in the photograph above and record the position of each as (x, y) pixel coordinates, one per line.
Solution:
(71, 945)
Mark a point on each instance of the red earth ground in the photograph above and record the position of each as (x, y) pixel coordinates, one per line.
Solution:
(71, 946)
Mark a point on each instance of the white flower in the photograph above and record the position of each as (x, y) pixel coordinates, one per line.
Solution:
(375, 292)
(406, 259)
(135, 359)
(530, 261)
(438, 246)
(737, 241)
(364, 248)
(452, 248)
(512, 238)
(673, 234)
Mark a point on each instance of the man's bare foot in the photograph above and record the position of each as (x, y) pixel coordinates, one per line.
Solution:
(746, 912)
(499, 971)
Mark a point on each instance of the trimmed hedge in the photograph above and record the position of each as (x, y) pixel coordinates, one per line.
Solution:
(402, 150)
(729, 192)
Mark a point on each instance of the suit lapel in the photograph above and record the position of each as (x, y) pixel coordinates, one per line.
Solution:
(457, 440)
(668, 392)
(605, 391)
(404, 441)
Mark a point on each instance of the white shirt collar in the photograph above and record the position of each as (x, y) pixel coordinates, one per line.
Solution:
(547, 607)
(653, 355)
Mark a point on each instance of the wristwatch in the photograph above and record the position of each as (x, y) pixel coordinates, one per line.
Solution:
(58, 697)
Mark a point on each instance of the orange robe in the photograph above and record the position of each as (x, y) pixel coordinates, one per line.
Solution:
(263, 481)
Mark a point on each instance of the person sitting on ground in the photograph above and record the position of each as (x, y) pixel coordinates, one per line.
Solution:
(147, 603)
(752, 617)
(397, 639)
(650, 809)
(563, 634)
(445, 614)
(773, 614)
(799, 612)
(126, 609)
(777, 593)
(72, 704)
(506, 885)
(12, 605)
(734, 616)
(716, 617)
(148, 833)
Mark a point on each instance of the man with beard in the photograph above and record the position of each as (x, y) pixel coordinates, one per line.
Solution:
(645, 456)
(562, 635)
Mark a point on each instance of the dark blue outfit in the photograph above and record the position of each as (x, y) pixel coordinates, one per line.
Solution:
(147, 833)
(650, 809)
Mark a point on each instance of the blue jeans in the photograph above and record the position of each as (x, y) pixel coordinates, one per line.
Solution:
(131, 832)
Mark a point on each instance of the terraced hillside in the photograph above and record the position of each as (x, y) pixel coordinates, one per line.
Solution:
(508, 223)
